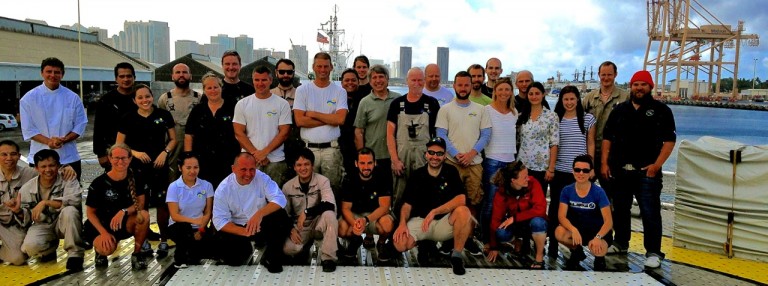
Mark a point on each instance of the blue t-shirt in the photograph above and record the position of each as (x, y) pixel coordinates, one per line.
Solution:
(191, 200)
(585, 211)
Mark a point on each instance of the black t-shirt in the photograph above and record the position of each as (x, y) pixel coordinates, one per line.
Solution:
(214, 135)
(523, 104)
(424, 192)
(147, 134)
(415, 108)
(234, 92)
(112, 106)
(637, 135)
(364, 195)
(364, 89)
(108, 196)
(486, 90)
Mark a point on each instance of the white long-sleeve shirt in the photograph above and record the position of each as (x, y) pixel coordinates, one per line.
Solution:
(52, 113)
(237, 203)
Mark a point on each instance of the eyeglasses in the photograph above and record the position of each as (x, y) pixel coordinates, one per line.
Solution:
(124, 159)
(582, 170)
(289, 72)
(435, 153)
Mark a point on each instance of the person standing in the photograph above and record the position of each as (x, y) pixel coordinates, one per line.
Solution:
(371, 120)
(320, 109)
(284, 72)
(52, 116)
(179, 101)
(432, 86)
(234, 89)
(493, 70)
(523, 81)
(112, 106)
(539, 135)
(361, 65)
(638, 138)
(477, 73)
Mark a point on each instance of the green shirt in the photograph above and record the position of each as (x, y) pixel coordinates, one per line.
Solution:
(372, 117)
(482, 99)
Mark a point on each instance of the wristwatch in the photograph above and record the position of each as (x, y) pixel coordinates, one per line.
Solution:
(367, 221)
(166, 151)
(598, 236)
(125, 211)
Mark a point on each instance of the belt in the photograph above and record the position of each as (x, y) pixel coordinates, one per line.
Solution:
(319, 145)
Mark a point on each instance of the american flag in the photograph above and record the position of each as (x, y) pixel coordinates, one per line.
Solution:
(321, 38)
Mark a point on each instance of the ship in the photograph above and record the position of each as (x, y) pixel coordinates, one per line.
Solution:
(331, 40)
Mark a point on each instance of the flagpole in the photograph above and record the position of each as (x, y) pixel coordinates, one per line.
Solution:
(80, 50)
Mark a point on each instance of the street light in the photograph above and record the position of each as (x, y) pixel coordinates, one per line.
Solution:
(754, 70)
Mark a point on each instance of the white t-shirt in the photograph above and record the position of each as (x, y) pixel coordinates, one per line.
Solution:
(261, 118)
(443, 95)
(310, 97)
(503, 136)
(463, 125)
(191, 200)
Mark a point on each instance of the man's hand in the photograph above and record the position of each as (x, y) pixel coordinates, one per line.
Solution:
(651, 170)
(253, 226)
(359, 226)
(14, 204)
(596, 245)
(68, 173)
(465, 159)
(576, 237)
(300, 221)
(143, 157)
(55, 142)
(105, 241)
(117, 221)
(427, 221)
(605, 171)
(37, 210)
(160, 160)
(492, 256)
(401, 233)
(104, 161)
(295, 236)
(397, 167)
(260, 155)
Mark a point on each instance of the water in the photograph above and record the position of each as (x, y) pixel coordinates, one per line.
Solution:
(745, 126)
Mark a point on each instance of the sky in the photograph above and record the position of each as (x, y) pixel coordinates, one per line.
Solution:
(544, 36)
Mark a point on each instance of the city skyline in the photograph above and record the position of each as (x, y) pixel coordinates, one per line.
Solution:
(556, 36)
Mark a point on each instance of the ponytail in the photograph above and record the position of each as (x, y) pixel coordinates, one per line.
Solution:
(132, 188)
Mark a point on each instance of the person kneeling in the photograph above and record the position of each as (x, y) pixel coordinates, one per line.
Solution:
(248, 206)
(521, 200)
(312, 206)
(115, 210)
(190, 200)
(434, 209)
(366, 197)
(52, 203)
(585, 216)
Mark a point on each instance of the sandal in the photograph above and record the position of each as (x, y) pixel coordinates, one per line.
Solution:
(537, 265)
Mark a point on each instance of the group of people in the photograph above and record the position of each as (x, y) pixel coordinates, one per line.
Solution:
(244, 164)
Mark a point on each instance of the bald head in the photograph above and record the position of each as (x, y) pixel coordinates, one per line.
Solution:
(432, 73)
(523, 80)
(415, 81)
(181, 76)
(244, 168)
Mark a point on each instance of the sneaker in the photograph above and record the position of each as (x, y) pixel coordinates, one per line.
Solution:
(426, 249)
(458, 265)
(614, 250)
(328, 265)
(472, 247)
(383, 252)
(48, 257)
(577, 255)
(138, 261)
(75, 263)
(653, 261)
(100, 260)
(599, 264)
(162, 250)
(146, 249)
(353, 245)
(179, 265)
(446, 247)
(272, 267)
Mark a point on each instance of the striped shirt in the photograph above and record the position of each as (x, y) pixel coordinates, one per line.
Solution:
(503, 136)
(572, 141)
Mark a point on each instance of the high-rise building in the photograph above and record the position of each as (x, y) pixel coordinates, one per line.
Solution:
(184, 47)
(220, 44)
(406, 54)
(376, 62)
(395, 71)
(244, 47)
(260, 53)
(278, 55)
(442, 62)
(151, 40)
(300, 56)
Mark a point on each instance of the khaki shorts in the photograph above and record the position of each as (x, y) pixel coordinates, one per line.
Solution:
(472, 177)
(371, 227)
(439, 230)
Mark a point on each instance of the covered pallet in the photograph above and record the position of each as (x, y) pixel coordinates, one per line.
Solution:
(709, 188)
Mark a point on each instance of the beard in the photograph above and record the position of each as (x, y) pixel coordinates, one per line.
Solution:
(363, 175)
(285, 81)
(460, 97)
(476, 86)
(182, 85)
(647, 97)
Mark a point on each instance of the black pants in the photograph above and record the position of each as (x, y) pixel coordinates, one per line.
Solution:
(187, 248)
(561, 180)
(236, 250)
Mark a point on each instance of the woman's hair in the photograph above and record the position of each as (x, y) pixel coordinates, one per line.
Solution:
(131, 180)
(211, 74)
(525, 114)
(560, 109)
(140, 86)
(511, 100)
(504, 176)
(585, 158)
(186, 155)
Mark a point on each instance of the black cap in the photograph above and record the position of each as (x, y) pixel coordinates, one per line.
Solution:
(436, 141)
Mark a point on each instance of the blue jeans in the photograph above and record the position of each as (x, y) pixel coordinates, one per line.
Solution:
(647, 191)
(535, 225)
(490, 166)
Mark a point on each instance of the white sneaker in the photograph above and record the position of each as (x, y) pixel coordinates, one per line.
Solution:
(653, 261)
(613, 249)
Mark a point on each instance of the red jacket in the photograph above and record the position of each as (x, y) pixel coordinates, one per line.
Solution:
(530, 205)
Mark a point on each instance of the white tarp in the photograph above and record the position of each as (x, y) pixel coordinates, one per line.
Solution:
(705, 196)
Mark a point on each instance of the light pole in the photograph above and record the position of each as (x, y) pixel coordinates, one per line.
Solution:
(754, 70)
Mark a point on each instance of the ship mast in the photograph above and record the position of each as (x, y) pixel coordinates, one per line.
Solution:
(334, 47)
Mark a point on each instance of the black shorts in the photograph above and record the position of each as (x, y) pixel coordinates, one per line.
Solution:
(589, 232)
(90, 232)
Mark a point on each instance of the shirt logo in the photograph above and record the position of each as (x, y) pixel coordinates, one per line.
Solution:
(472, 114)
(649, 112)
(583, 205)
(271, 113)
(159, 120)
(331, 102)
(226, 118)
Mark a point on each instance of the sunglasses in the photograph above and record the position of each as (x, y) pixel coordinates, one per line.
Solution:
(433, 153)
(582, 170)
(289, 72)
